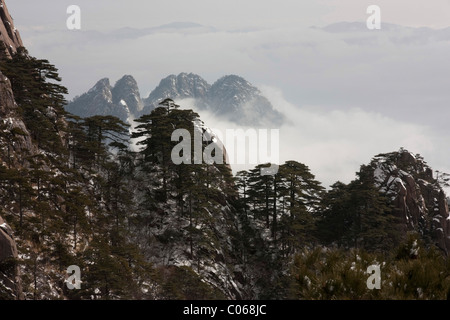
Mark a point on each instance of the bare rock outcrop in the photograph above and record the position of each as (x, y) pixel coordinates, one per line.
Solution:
(8, 33)
(418, 197)
(15, 139)
(10, 284)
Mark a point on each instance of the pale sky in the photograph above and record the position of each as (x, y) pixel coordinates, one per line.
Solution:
(112, 14)
(354, 92)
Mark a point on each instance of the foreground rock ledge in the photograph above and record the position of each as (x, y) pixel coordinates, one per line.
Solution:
(10, 285)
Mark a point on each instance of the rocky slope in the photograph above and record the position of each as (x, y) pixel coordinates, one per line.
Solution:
(418, 198)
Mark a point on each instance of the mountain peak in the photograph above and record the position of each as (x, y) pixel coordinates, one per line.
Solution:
(98, 101)
(127, 78)
(126, 92)
(184, 85)
(237, 88)
(126, 83)
(232, 78)
(231, 97)
(241, 102)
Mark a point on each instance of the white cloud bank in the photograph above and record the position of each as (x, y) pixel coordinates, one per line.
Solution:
(334, 143)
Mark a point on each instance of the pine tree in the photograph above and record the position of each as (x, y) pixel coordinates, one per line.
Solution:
(301, 201)
(242, 183)
(335, 217)
(40, 99)
(374, 224)
(260, 195)
(101, 130)
(359, 215)
(80, 155)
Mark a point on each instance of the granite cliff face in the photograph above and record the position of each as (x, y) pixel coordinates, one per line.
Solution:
(15, 144)
(8, 33)
(417, 195)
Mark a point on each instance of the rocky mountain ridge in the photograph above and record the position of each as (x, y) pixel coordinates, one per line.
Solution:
(231, 98)
(122, 101)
